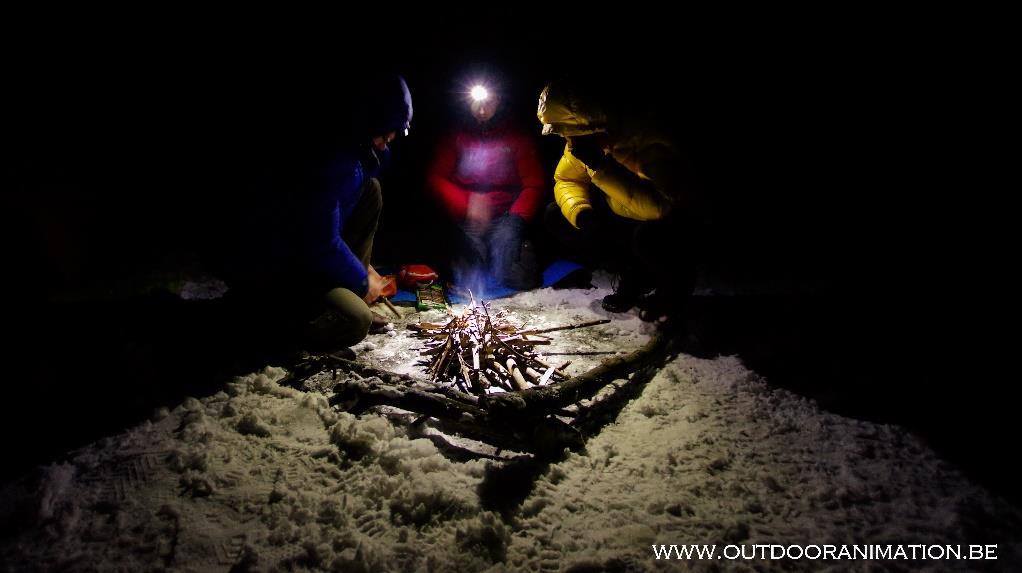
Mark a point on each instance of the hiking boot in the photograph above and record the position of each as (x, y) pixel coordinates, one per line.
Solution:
(653, 307)
(379, 325)
(345, 353)
(627, 294)
(665, 303)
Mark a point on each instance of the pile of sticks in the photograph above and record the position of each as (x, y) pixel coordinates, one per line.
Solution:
(480, 353)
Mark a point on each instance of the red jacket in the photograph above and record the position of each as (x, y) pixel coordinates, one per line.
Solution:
(501, 163)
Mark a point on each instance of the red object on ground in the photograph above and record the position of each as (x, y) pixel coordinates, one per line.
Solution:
(412, 275)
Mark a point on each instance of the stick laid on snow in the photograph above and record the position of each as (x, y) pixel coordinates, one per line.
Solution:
(568, 327)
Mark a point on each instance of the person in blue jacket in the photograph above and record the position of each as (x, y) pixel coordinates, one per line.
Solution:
(343, 219)
(323, 219)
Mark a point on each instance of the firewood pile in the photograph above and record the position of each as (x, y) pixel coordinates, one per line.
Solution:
(486, 381)
(483, 353)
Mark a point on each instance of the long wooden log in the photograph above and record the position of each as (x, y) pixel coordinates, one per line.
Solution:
(544, 436)
(396, 379)
(554, 397)
(520, 421)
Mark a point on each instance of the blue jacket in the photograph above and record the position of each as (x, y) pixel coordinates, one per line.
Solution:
(327, 207)
(292, 225)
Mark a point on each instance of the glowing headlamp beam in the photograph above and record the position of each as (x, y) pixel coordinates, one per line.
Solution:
(480, 93)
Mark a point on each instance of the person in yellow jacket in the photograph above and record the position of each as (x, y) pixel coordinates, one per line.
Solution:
(624, 198)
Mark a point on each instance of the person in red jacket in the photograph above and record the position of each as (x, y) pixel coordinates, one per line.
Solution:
(489, 179)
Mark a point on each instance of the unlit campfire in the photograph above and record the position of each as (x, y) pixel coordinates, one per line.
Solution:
(482, 353)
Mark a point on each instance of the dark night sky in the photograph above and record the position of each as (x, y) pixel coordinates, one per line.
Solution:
(123, 144)
(817, 146)
(828, 151)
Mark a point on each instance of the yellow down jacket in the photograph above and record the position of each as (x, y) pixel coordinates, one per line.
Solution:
(644, 182)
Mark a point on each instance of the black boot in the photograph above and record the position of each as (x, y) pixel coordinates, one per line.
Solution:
(658, 304)
(627, 294)
(668, 302)
(379, 325)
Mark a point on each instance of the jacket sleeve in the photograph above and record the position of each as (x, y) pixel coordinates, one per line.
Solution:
(530, 173)
(647, 195)
(452, 196)
(571, 186)
(325, 230)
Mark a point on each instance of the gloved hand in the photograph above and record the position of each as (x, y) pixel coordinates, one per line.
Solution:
(587, 221)
(588, 150)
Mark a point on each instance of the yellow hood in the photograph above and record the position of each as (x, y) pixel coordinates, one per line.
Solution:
(562, 112)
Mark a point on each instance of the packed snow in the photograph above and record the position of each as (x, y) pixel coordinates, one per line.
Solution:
(265, 477)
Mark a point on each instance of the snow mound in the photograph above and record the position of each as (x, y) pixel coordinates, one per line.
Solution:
(264, 477)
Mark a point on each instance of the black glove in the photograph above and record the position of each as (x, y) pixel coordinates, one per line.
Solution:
(586, 220)
(587, 150)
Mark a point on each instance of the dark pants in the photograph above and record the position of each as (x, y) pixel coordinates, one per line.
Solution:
(659, 254)
(500, 250)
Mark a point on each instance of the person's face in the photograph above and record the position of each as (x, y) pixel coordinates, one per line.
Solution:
(380, 141)
(484, 110)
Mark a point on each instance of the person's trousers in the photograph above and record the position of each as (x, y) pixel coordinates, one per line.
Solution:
(662, 254)
(500, 250)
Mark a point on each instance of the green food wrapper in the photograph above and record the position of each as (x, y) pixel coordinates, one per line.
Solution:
(430, 297)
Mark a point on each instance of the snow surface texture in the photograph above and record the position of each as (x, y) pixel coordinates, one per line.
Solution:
(263, 477)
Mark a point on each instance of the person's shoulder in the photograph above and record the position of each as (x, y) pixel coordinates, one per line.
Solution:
(344, 161)
(342, 158)
(344, 166)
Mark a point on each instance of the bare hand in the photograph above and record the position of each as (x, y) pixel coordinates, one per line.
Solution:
(376, 284)
(479, 212)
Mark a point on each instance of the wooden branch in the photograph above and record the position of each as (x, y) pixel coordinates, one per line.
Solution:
(390, 306)
(396, 379)
(516, 374)
(556, 396)
(522, 421)
(453, 352)
(520, 342)
(568, 327)
(543, 436)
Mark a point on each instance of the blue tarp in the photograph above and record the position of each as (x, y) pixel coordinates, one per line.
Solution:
(553, 273)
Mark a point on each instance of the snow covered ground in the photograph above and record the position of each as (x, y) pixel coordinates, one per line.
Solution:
(263, 477)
